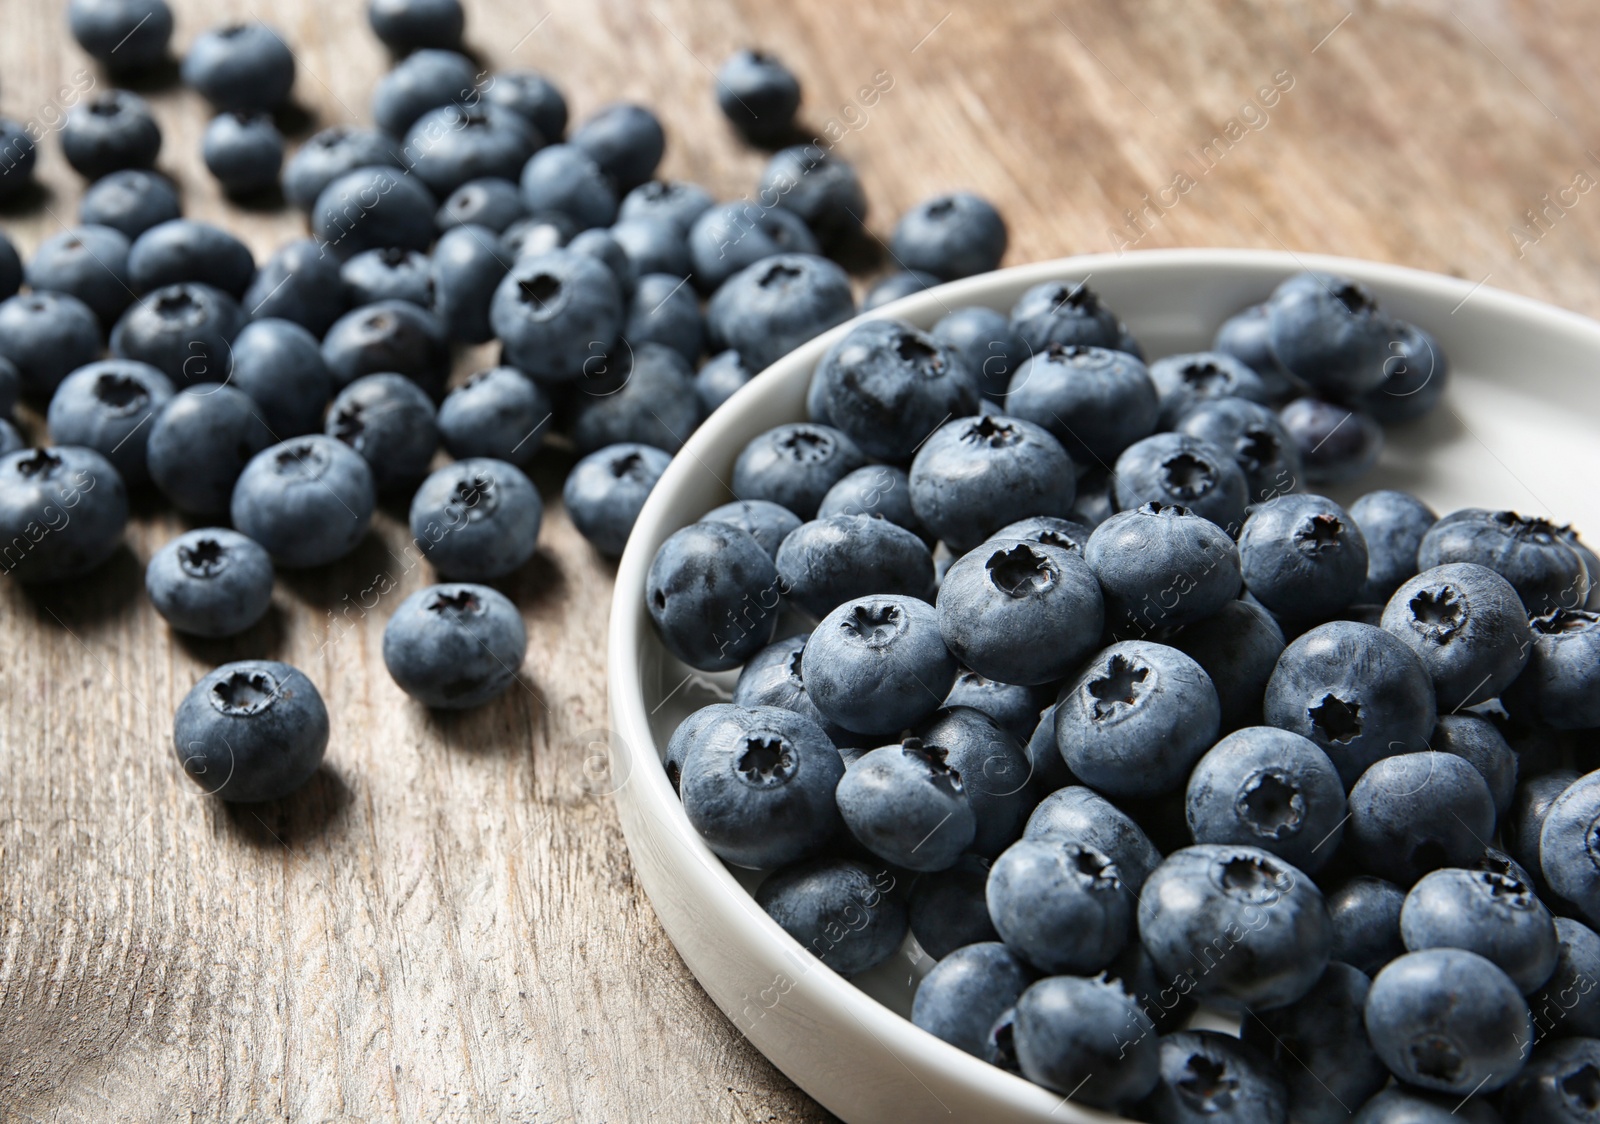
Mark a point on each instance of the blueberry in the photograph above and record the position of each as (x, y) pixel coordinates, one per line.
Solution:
(406, 25)
(1161, 566)
(1020, 612)
(1559, 1084)
(1238, 646)
(1319, 1045)
(299, 283)
(240, 67)
(985, 340)
(1467, 626)
(1072, 1035)
(420, 82)
(1136, 718)
(465, 271)
(1524, 820)
(959, 1000)
(124, 35)
(1530, 553)
(1261, 446)
(1012, 706)
(477, 519)
(1172, 468)
(390, 421)
(1568, 1004)
(532, 95)
(373, 208)
(1060, 905)
(1560, 684)
(1188, 380)
(839, 910)
(1495, 915)
(185, 330)
(499, 413)
(908, 806)
(1365, 912)
(332, 153)
(1303, 556)
(62, 512)
(1247, 337)
(537, 234)
(600, 245)
(625, 140)
(773, 677)
(645, 394)
(1400, 1105)
(766, 522)
(714, 594)
(950, 236)
(10, 268)
(1415, 375)
(210, 582)
(1268, 788)
(1079, 815)
(1205, 903)
(877, 489)
(1569, 846)
(556, 314)
(566, 179)
(758, 95)
(1068, 314)
(392, 274)
(200, 443)
(251, 731)
(308, 500)
(1209, 1076)
(1449, 1020)
(10, 439)
(454, 646)
(688, 733)
(768, 309)
(993, 768)
(606, 489)
(653, 245)
(978, 474)
(1336, 444)
(1416, 812)
(820, 187)
(87, 262)
(488, 202)
(890, 288)
(888, 386)
(795, 465)
(1332, 336)
(279, 364)
(20, 155)
(663, 310)
(1477, 741)
(1047, 530)
(130, 201)
(826, 562)
(1354, 690)
(105, 406)
(1095, 503)
(244, 151)
(1048, 769)
(877, 664)
(733, 236)
(718, 380)
(46, 336)
(390, 336)
(1393, 523)
(454, 144)
(671, 201)
(184, 250)
(949, 912)
(110, 132)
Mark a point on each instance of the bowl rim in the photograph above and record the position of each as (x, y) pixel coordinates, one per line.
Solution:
(640, 757)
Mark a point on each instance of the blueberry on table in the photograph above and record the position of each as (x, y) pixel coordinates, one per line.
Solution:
(822, 188)
(107, 406)
(279, 364)
(758, 95)
(1568, 1005)
(1557, 1085)
(1246, 335)
(606, 490)
(308, 500)
(1067, 314)
(1303, 557)
(210, 582)
(46, 336)
(673, 201)
(826, 562)
(1561, 685)
(729, 237)
(251, 731)
(532, 95)
(795, 465)
(566, 179)
(1319, 1046)
(62, 512)
(908, 806)
(626, 140)
(88, 262)
(477, 519)
(1238, 646)
(1467, 626)
(185, 250)
(1078, 814)
(390, 421)
(1337, 444)
(1174, 468)
(889, 386)
(1209, 1076)
(948, 911)
(422, 81)
(391, 336)
(840, 910)
(1081, 1037)
(1198, 899)
(244, 151)
(877, 665)
(131, 201)
(391, 274)
(1393, 523)
(1332, 336)
(1416, 375)
(768, 309)
(1533, 554)
(967, 991)
(200, 444)
(110, 132)
(373, 208)
(456, 143)
(489, 202)
(1261, 446)
(1061, 906)
(1498, 916)
(330, 153)
(1356, 691)
(16, 176)
(713, 593)
(557, 314)
(406, 25)
(1448, 1020)
(299, 283)
(766, 522)
(125, 35)
(1416, 812)
(1020, 612)
(1569, 846)
(240, 67)
(454, 646)
(950, 236)
(644, 394)
(1136, 718)
(185, 330)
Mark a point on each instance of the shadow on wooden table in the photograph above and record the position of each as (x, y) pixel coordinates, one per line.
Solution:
(315, 810)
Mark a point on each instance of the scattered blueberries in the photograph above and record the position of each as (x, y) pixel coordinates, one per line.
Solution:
(606, 489)
(126, 36)
(390, 421)
(950, 236)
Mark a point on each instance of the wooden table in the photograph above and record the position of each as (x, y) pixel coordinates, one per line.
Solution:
(444, 924)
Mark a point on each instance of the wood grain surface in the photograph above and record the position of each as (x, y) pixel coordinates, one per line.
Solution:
(444, 924)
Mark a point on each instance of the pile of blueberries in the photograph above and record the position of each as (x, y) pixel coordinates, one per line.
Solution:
(288, 398)
(1078, 687)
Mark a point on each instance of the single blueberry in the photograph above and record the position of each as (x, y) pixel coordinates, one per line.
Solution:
(1569, 846)
(279, 364)
(1161, 566)
(1467, 626)
(1214, 1077)
(1416, 812)
(87, 262)
(185, 330)
(1533, 554)
(454, 646)
(839, 910)
(1173, 468)
(978, 474)
(244, 151)
(766, 522)
(557, 315)
(1247, 337)
(876, 489)
(672, 201)
(948, 912)
(498, 412)
(331, 153)
(488, 202)
(251, 731)
(768, 309)
(1303, 557)
(106, 406)
(663, 310)
(566, 179)
(906, 805)
(1393, 524)
(1189, 380)
(1013, 706)
(240, 67)
(1477, 741)
(308, 500)
(993, 767)
(821, 187)
(45, 336)
(795, 465)
(1568, 1005)
(1065, 314)
(477, 519)
(758, 95)
(713, 593)
(391, 274)
(299, 282)
(131, 201)
(625, 140)
(1332, 336)
(1078, 814)
(1524, 820)
(62, 512)
(210, 582)
(985, 339)
(390, 421)
(654, 245)
(124, 35)
(732, 236)
(1238, 646)
(1365, 912)
(1080, 1037)
(719, 379)
(967, 990)
(373, 208)
(1415, 375)
(1561, 685)
(422, 81)
(466, 269)
(1336, 444)
(406, 25)
(1061, 906)
(606, 489)
(1268, 788)
(393, 336)
(532, 95)
(1261, 446)
(200, 443)
(950, 236)
(185, 250)
(645, 394)
(1497, 916)
(110, 132)
(599, 244)
(453, 144)
(877, 665)
(826, 562)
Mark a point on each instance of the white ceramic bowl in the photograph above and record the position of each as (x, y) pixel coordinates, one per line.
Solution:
(1517, 430)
